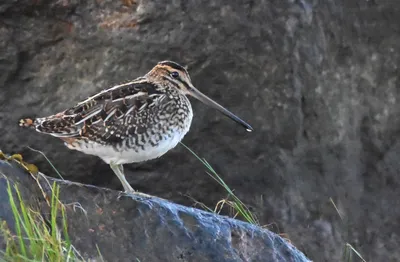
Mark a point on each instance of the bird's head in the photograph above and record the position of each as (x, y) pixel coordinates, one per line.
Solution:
(178, 77)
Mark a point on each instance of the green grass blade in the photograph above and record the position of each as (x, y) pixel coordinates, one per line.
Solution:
(48, 160)
(68, 245)
(17, 219)
(53, 211)
(27, 224)
(349, 249)
(238, 205)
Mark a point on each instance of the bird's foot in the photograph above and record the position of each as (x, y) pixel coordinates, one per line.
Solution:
(121, 194)
(130, 193)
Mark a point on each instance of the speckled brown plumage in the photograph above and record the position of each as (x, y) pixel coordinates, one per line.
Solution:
(131, 122)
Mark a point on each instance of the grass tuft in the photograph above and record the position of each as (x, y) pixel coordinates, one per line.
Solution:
(349, 250)
(36, 238)
(236, 205)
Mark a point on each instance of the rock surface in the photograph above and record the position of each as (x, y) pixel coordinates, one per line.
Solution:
(318, 80)
(133, 228)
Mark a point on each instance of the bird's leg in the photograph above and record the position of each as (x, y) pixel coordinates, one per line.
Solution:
(119, 171)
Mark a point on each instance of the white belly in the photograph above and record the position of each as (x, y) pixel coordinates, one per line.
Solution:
(123, 155)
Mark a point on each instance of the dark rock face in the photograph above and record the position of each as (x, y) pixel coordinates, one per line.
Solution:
(133, 228)
(318, 80)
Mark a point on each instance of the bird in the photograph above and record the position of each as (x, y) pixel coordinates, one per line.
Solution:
(132, 122)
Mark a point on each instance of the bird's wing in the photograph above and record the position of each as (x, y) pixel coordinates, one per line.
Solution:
(109, 115)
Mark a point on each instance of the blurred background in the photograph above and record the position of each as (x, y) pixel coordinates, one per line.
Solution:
(318, 81)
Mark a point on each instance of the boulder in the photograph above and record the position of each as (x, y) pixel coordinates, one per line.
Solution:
(135, 227)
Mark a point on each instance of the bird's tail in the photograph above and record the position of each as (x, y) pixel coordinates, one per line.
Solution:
(36, 122)
(27, 122)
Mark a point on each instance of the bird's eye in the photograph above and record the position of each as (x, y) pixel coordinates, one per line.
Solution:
(175, 74)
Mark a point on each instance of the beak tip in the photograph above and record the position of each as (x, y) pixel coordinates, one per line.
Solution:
(249, 129)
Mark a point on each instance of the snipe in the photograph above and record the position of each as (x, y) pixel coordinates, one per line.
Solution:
(132, 122)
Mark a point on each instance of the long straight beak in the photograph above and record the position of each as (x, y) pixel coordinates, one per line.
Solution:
(208, 101)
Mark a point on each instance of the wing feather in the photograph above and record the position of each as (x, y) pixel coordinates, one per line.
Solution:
(112, 114)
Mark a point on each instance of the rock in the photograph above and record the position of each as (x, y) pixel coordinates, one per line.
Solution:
(318, 80)
(133, 228)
